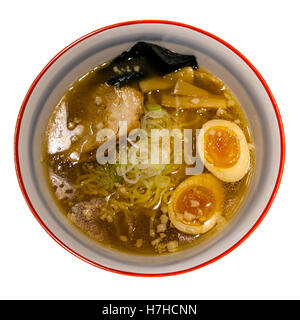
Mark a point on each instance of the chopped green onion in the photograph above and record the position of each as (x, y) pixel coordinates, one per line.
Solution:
(162, 181)
(166, 168)
(153, 107)
(136, 170)
(113, 175)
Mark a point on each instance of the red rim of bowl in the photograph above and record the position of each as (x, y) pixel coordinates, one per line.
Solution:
(23, 106)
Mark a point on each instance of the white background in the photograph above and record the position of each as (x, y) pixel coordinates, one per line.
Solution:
(266, 266)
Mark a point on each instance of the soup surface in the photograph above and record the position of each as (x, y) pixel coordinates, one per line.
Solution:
(136, 202)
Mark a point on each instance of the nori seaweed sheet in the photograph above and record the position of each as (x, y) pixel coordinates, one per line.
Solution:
(145, 59)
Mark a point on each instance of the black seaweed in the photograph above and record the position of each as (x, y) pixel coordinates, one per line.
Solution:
(125, 78)
(147, 59)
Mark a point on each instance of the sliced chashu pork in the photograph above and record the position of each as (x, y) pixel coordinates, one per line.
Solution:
(126, 104)
(62, 187)
(112, 105)
(87, 216)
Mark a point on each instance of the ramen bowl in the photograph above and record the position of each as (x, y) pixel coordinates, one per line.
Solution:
(213, 54)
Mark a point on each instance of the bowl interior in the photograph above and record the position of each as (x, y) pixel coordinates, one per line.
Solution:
(211, 55)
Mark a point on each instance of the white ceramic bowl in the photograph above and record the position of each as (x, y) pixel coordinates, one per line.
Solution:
(214, 55)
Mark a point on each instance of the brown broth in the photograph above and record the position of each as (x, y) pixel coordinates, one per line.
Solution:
(130, 225)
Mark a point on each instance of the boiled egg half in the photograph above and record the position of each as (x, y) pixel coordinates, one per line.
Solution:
(196, 204)
(224, 150)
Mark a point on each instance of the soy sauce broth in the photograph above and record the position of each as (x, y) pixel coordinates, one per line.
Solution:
(85, 187)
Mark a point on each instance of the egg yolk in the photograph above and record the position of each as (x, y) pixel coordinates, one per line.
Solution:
(222, 147)
(195, 205)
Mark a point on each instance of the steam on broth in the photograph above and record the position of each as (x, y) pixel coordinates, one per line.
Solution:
(146, 207)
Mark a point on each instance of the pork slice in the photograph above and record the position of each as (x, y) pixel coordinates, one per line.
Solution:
(119, 104)
(126, 105)
(111, 105)
(86, 215)
(63, 189)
